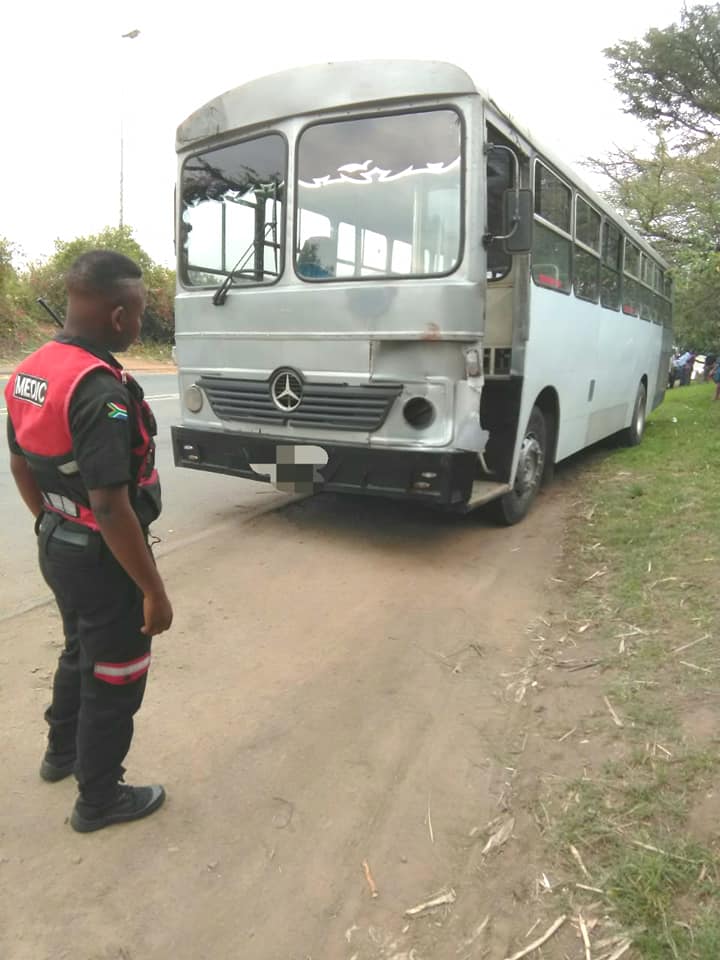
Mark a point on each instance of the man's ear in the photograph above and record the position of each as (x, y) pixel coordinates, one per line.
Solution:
(116, 318)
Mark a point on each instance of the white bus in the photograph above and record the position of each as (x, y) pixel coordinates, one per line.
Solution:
(386, 286)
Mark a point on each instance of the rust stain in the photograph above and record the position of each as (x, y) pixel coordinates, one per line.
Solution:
(432, 332)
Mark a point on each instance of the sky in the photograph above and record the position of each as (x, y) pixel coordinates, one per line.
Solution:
(70, 81)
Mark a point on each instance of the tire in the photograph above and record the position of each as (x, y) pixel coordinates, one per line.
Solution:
(515, 505)
(631, 436)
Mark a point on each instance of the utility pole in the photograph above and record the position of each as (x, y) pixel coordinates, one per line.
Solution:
(129, 36)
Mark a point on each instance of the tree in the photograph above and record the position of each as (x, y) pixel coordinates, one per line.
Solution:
(13, 323)
(697, 311)
(8, 275)
(671, 77)
(672, 199)
(47, 279)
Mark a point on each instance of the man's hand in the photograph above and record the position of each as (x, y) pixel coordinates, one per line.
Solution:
(121, 530)
(158, 614)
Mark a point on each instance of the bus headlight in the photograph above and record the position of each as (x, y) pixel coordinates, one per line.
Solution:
(419, 413)
(194, 398)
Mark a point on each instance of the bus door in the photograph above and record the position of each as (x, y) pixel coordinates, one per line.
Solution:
(505, 307)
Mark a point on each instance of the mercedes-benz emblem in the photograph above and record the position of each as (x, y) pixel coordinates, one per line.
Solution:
(286, 391)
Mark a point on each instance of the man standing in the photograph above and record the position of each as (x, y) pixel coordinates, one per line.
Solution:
(82, 457)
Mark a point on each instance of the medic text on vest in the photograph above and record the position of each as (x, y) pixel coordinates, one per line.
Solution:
(32, 389)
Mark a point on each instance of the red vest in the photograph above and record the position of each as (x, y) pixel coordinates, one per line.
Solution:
(38, 397)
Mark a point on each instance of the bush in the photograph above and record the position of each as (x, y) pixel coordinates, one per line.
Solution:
(47, 280)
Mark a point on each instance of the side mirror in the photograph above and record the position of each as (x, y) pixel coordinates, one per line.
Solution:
(517, 221)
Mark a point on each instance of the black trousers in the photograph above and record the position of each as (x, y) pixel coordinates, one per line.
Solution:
(101, 675)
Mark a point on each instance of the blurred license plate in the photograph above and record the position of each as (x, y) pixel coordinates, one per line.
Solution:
(296, 468)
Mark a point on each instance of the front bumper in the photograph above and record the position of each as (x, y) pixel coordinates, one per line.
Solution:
(435, 477)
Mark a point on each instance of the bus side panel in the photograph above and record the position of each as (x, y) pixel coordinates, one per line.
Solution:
(560, 354)
(628, 352)
(594, 359)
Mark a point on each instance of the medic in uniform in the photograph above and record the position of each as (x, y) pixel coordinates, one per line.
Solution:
(82, 455)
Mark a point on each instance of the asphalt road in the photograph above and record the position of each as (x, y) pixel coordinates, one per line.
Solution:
(193, 502)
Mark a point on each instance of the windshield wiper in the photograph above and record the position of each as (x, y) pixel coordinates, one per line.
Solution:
(238, 271)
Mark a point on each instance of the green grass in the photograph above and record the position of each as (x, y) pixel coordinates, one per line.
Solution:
(26, 335)
(650, 519)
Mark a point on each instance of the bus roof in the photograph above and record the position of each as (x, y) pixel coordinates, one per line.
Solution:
(327, 86)
(333, 86)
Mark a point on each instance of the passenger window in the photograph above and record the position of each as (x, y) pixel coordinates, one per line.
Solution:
(587, 225)
(587, 275)
(631, 297)
(550, 259)
(632, 260)
(610, 269)
(552, 244)
(552, 198)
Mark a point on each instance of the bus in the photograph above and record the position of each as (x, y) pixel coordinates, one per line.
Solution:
(387, 286)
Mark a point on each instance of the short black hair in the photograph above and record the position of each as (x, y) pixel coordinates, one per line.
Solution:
(101, 272)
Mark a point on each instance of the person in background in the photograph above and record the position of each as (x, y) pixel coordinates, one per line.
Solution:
(716, 379)
(683, 367)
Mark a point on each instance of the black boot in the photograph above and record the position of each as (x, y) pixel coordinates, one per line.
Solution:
(56, 766)
(129, 803)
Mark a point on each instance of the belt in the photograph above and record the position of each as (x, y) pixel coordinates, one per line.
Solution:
(63, 530)
(76, 537)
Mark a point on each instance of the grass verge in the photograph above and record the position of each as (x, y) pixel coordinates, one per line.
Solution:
(642, 569)
(14, 349)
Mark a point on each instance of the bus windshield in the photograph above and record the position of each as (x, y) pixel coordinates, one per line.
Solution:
(232, 202)
(379, 197)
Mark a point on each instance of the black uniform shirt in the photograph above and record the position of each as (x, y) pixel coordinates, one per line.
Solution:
(102, 435)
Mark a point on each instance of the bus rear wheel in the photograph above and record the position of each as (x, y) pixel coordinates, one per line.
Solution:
(631, 436)
(515, 505)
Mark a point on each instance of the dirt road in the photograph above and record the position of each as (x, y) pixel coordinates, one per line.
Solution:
(334, 691)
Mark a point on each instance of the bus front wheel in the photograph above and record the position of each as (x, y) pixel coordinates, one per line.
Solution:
(631, 436)
(514, 505)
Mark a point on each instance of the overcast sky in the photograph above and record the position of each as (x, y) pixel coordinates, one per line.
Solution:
(67, 77)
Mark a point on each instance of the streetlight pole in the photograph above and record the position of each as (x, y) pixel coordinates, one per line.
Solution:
(122, 170)
(129, 36)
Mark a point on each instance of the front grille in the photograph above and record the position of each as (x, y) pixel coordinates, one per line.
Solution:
(338, 406)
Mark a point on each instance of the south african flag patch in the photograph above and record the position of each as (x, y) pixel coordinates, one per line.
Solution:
(117, 411)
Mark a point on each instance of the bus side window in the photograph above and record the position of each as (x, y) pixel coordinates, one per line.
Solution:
(552, 244)
(611, 266)
(550, 259)
(587, 251)
(631, 286)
